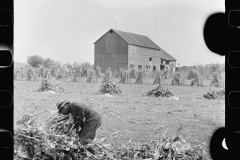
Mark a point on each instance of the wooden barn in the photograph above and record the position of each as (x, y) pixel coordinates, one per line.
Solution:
(118, 49)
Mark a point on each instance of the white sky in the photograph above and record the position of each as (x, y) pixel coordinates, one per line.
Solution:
(66, 30)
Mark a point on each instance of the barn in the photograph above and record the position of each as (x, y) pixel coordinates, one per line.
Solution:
(119, 49)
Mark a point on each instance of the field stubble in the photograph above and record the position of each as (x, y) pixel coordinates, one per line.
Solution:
(134, 115)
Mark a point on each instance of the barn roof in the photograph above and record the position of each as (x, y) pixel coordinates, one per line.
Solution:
(136, 39)
(166, 56)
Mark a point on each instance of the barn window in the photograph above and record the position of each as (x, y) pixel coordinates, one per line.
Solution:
(154, 68)
(139, 66)
(131, 65)
(111, 31)
(150, 59)
(167, 62)
(161, 61)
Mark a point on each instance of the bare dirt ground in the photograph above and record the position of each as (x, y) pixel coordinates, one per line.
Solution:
(132, 114)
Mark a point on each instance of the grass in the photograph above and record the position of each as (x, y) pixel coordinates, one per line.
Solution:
(134, 115)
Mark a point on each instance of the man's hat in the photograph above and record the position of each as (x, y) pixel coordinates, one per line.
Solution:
(61, 104)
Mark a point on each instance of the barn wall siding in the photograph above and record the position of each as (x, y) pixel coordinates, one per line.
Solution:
(140, 56)
(111, 51)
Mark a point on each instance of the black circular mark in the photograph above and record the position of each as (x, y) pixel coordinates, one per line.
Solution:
(214, 33)
(216, 149)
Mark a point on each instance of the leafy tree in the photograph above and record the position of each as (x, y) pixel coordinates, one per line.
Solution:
(34, 61)
(47, 63)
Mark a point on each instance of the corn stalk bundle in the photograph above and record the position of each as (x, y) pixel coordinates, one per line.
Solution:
(108, 76)
(160, 91)
(133, 73)
(30, 75)
(125, 77)
(50, 85)
(98, 71)
(214, 94)
(92, 78)
(195, 78)
(217, 78)
(164, 74)
(110, 87)
(139, 79)
(177, 80)
(157, 80)
(46, 75)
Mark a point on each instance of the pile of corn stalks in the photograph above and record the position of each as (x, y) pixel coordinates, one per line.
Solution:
(50, 85)
(110, 87)
(160, 91)
(36, 141)
(214, 94)
(177, 80)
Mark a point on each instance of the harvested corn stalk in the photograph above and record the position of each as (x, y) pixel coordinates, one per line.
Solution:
(133, 73)
(125, 77)
(160, 91)
(108, 76)
(34, 141)
(157, 80)
(110, 87)
(214, 94)
(178, 80)
(92, 78)
(139, 79)
(50, 85)
(217, 78)
(195, 78)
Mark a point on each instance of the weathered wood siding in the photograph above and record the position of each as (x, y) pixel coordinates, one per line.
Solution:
(111, 51)
(140, 56)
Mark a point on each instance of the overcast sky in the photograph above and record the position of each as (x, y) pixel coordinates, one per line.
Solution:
(65, 30)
